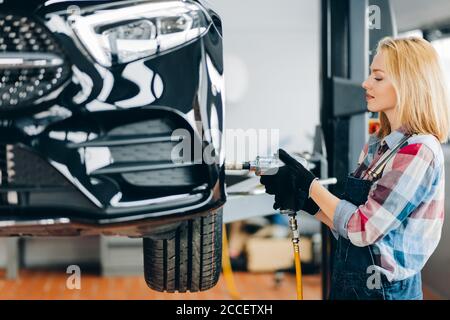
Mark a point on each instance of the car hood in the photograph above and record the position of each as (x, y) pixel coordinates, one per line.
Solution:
(33, 5)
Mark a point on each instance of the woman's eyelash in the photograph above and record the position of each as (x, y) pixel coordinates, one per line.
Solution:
(378, 79)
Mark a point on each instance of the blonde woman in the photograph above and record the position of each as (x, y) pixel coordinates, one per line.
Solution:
(389, 220)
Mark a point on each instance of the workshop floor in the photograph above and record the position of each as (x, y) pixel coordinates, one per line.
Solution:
(43, 285)
(36, 284)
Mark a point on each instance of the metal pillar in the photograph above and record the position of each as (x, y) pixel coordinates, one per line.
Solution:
(348, 44)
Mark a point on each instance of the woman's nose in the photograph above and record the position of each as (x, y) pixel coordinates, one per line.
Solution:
(365, 84)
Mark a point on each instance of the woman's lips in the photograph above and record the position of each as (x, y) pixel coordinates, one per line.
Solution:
(369, 97)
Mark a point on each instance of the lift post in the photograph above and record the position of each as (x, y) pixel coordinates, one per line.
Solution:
(350, 31)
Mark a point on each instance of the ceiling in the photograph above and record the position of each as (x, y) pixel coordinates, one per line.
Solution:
(417, 14)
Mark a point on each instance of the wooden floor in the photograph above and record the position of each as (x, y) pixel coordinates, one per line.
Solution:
(46, 285)
(33, 284)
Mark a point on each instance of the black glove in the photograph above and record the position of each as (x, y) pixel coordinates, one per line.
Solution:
(287, 195)
(282, 185)
(301, 202)
(310, 207)
(304, 179)
(286, 185)
(297, 175)
(302, 176)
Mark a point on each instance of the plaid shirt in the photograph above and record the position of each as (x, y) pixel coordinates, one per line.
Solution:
(403, 216)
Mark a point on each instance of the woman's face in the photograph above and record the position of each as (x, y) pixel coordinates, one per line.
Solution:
(380, 93)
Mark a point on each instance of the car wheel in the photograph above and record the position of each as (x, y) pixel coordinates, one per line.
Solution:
(188, 258)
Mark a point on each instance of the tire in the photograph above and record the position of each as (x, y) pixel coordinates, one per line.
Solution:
(188, 258)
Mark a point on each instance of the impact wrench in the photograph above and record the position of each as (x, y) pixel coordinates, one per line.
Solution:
(269, 165)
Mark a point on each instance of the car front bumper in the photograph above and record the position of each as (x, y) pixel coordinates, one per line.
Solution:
(98, 149)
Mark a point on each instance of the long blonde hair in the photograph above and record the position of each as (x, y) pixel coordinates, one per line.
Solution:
(414, 68)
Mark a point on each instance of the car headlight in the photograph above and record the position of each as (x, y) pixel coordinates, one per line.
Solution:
(120, 35)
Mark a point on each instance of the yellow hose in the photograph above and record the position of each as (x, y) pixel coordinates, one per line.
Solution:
(298, 272)
(295, 241)
(226, 267)
(228, 272)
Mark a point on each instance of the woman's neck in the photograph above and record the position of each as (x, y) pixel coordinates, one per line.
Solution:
(394, 122)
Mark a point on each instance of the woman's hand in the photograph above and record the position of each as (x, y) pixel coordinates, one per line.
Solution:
(294, 181)
(290, 186)
(283, 185)
(303, 176)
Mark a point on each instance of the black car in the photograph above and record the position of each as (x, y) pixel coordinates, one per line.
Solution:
(107, 110)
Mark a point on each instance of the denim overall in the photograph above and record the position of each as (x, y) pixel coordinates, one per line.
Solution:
(353, 272)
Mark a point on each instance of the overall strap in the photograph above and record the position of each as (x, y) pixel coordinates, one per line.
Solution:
(375, 173)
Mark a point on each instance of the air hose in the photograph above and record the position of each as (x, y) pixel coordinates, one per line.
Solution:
(295, 242)
(261, 166)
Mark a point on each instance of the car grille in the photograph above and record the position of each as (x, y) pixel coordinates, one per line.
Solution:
(122, 160)
(28, 179)
(158, 152)
(26, 169)
(32, 63)
(3, 165)
(141, 155)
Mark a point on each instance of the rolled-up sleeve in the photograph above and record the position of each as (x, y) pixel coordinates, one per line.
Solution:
(343, 213)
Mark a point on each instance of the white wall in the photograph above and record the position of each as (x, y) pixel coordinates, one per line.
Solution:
(272, 67)
(55, 251)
